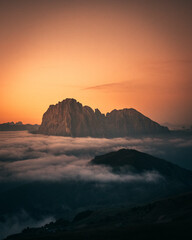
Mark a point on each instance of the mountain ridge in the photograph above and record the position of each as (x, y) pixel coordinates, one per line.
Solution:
(124, 161)
(71, 118)
(154, 220)
(18, 126)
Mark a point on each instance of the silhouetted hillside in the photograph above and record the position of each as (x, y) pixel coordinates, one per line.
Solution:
(130, 160)
(165, 219)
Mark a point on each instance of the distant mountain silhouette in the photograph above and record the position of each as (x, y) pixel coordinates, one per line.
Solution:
(18, 126)
(70, 118)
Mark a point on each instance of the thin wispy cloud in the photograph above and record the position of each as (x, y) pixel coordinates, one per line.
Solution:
(107, 86)
(22, 220)
(128, 86)
(169, 62)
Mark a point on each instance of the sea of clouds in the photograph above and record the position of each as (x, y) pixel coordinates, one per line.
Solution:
(26, 157)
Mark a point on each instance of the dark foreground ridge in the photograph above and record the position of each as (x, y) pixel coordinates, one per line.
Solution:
(165, 219)
(71, 118)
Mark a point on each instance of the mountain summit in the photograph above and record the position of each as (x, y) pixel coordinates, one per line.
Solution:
(124, 161)
(71, 118)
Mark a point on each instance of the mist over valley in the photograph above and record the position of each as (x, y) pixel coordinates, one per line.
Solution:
(50, 177)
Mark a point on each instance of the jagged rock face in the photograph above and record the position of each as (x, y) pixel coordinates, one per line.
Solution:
(70, 118)
(127, 122)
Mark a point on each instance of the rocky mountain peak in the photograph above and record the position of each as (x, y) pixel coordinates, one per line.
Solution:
(71, 118)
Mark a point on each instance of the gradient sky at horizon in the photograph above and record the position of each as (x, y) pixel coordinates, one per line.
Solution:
(105, 54)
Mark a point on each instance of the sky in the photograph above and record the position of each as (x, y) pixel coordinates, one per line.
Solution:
(105, 54)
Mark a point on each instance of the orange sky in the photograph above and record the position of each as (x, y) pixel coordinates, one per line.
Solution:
(105, 54)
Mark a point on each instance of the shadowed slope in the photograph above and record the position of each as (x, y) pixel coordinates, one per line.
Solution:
(157, 220)
(126, 160)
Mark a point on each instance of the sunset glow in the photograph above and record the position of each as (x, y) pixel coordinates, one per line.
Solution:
(105, 54)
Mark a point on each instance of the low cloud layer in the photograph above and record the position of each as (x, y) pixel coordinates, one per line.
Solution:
(35, 157)
(65, 167)
(17, 223)
(24, 156)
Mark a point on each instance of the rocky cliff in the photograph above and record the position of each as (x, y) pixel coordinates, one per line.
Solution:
(71, 118)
